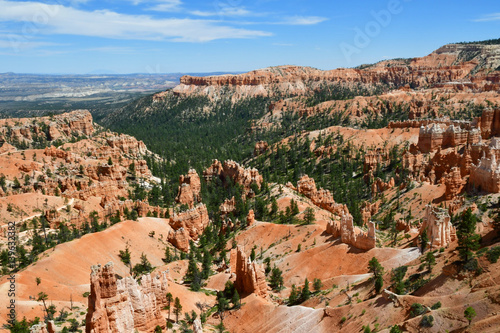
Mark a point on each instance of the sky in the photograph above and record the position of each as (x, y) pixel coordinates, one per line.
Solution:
(180, 36)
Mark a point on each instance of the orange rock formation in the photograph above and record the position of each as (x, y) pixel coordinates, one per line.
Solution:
(250, 276)
(189, 189)
(437, 224)
(121, 306)
(321, 198)
(349, 234)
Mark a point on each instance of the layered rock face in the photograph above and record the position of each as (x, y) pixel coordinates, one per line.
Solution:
(122, 306)
(349, 234)
(188, 225)
(454, 184)
(438, 68)
(250, 276)
(321, 198)
(235, 172)
(486, 176)
(189, 189)
(434, 136)
(489, 123)
(437, 224)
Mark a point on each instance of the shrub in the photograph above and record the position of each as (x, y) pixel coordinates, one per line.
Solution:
(436, 306)
(493, 254)
(416, 309)
(342, 320)
(427, 321)
(395, 329)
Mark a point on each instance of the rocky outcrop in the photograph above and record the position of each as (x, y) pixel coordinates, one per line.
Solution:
(437, 224)
(454, 184)
(486, 176)
(380, 186)
(180, 239)
(489, 123)
(445, 66)
(227, 207)
(123, 306)
(197, 327)
(349, 234)
(321, 198)
(250, 218)
(194, 220)
(260, 148)
(375, 159)
(233, 171)
(436, 136)
(189, 189)
(61, 127)
(250, 276)
(127, 145)
(50, 327)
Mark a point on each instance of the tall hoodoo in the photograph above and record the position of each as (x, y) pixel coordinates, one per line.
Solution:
(250, 276)
(437, 224)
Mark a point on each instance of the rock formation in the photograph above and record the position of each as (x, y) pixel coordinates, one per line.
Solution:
(189, 189)
(188, 225)
(486, 176)
(235, 172)
(250, 276)
(50, 327)
(321, 198)
(349, 234)
(435, 136)
(437, 224)
(454, 184)
(374, 159)
(227, 207)
(250, 218)
(122, 306)
(60, 127)
(180, 239)
(260, 148)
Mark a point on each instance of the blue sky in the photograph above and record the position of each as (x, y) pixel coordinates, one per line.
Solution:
(163, 36)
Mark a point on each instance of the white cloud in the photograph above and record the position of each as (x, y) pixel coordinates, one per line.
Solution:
(57, 19)
(303, 20)
(489, 17)
(166, 6)
(223, 11)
